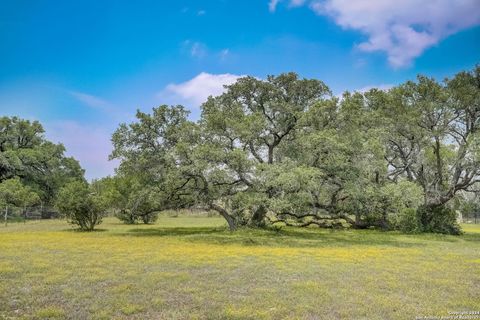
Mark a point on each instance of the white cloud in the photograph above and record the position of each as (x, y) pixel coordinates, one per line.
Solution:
(88, 144)
(107, 107)
(196, 90)
(224, 54)
(272, 5)
(90, 100)
(403, 29)
(198, 50)
(195, 49)
(297, 3)
(382, 87)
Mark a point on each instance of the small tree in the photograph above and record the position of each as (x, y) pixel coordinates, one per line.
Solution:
(25, 153)
(14, 193)
(80, 205)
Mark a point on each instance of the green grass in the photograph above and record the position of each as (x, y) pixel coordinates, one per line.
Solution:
(193, 268)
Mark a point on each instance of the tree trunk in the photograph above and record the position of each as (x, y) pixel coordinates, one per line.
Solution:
(270, 154)
(6, 215)
(230, 220)
(259, 216)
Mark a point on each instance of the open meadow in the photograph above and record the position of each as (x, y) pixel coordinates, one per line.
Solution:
(194, 268)
(221, 159)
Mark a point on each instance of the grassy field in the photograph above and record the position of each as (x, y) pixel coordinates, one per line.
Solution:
(193, 268)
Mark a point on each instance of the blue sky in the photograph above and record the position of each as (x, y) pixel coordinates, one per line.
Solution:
(82, 67)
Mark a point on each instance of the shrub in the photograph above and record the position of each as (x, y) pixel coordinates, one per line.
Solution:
(438, 219)
(384, 205)
(150, 217)
(126, 216)
(408, 221)
(80, 205)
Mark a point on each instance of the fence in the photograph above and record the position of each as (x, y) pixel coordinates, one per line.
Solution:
(17, 214)
(473, 217)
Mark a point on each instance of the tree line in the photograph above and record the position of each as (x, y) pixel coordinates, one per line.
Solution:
(32, 169)
(286, 151)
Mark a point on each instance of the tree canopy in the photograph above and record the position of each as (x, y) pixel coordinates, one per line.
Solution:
(285, 150)
(26, 154)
